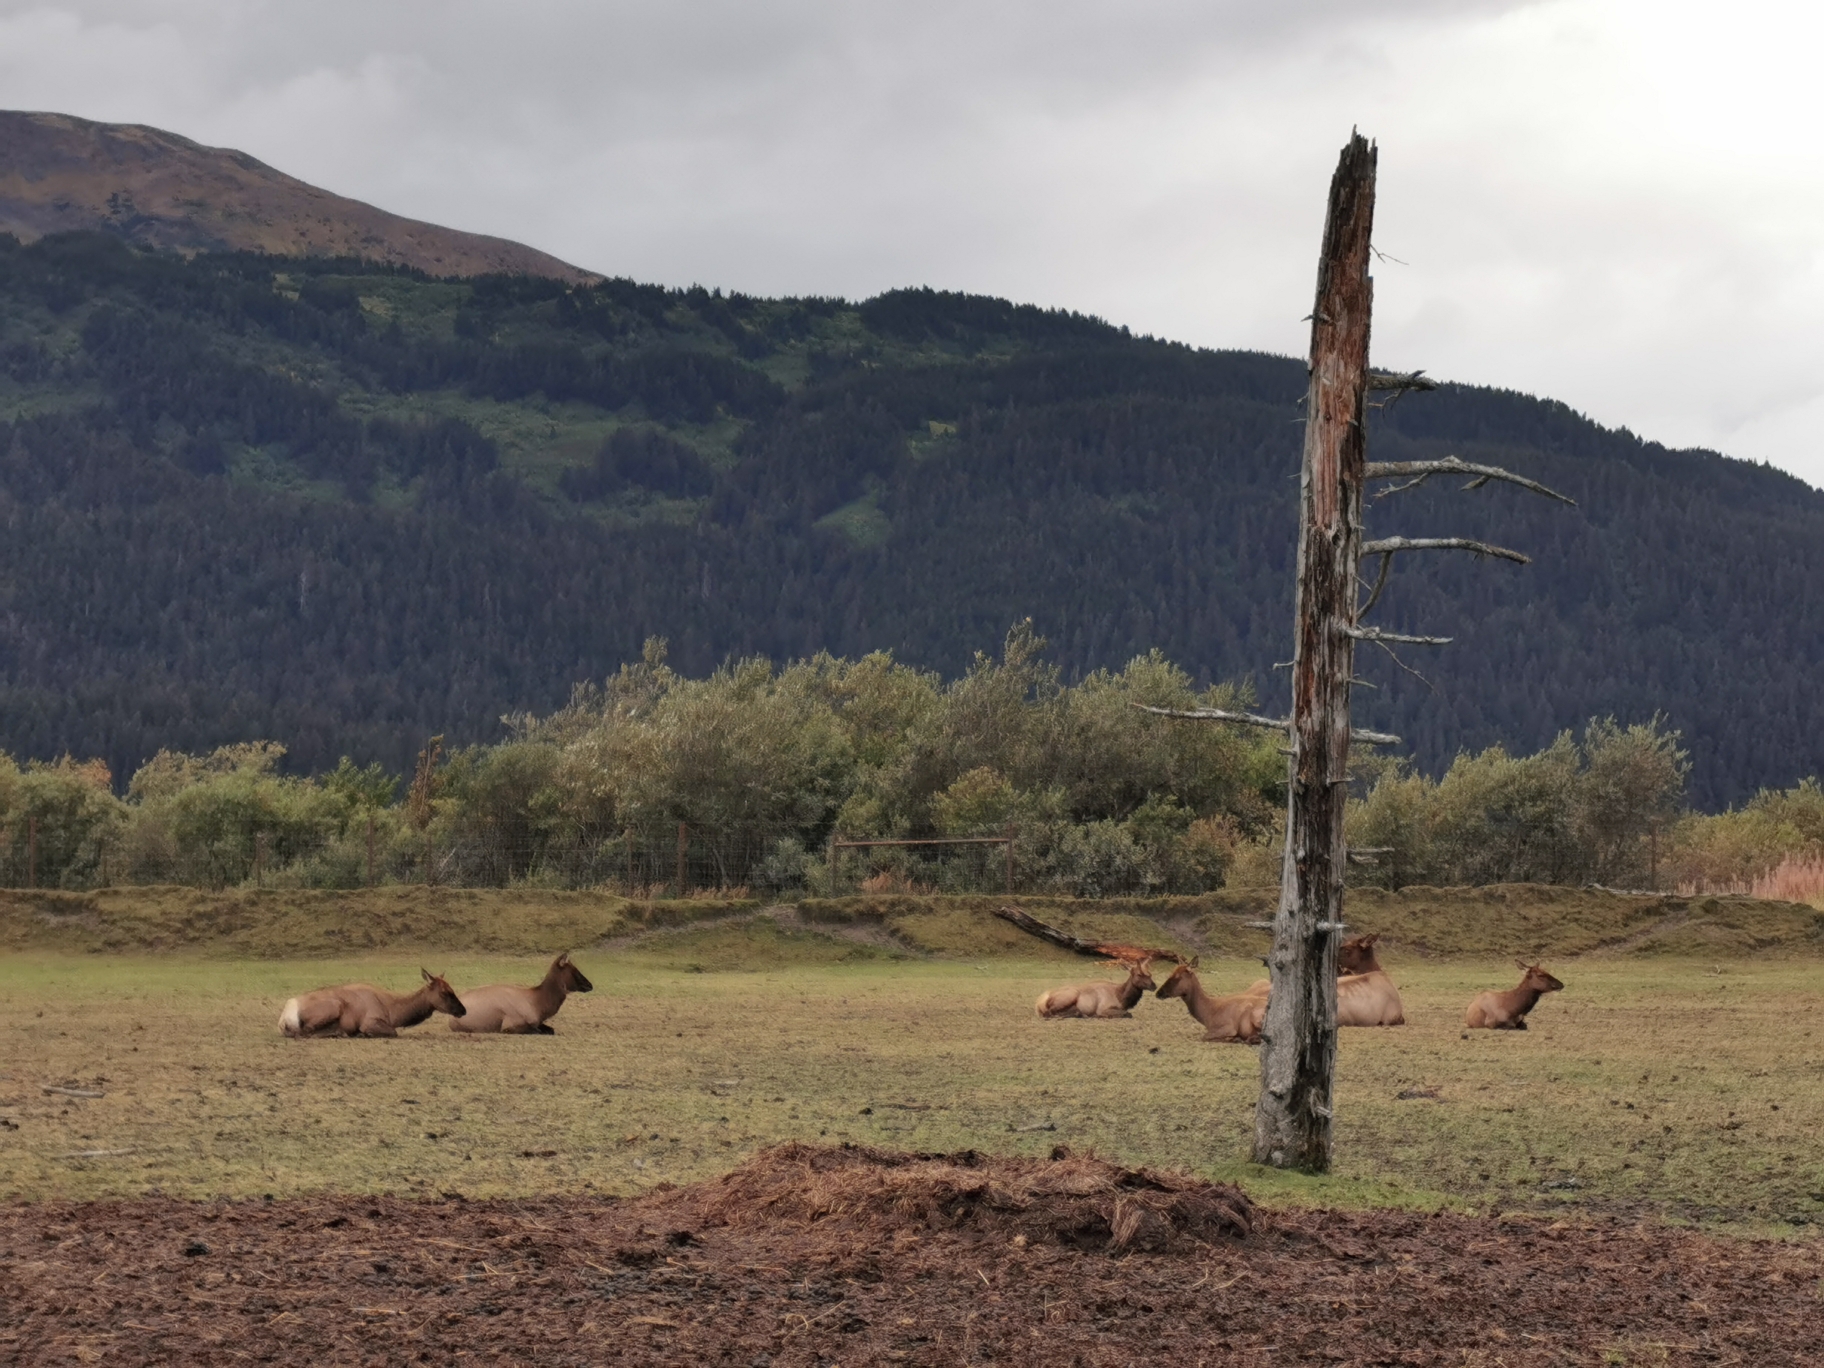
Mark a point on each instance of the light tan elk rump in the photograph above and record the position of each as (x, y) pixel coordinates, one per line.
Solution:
(360, 1009)
(504, 1009)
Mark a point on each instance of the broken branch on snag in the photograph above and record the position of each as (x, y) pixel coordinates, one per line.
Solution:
(1394, 657)
(1254, 720)
(1376, 634)
(1400, 380)
(1421, 471)
(1217, 715)
(1387, 545)
(1380, 583)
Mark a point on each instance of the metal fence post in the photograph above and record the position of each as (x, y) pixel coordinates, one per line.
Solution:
(31, 852)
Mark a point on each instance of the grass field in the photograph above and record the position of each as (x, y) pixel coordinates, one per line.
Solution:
(1671, 1086)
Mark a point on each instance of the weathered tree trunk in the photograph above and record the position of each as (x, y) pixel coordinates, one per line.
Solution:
(1292, 1121)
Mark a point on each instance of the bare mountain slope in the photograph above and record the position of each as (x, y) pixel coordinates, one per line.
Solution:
(59, 174)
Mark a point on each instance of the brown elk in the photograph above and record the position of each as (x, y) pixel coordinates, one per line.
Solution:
(504, 1009)
(1507, 1011)
(360, 1009)
(1104, 998)
(1365, 996)
(1237, 1018)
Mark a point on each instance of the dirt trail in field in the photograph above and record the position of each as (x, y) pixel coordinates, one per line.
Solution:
(816, 1256)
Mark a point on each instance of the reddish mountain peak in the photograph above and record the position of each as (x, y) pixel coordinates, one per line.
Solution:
(59, 173)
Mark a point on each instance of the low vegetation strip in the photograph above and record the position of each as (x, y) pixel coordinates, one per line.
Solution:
(691, 1276)
(1501, 920)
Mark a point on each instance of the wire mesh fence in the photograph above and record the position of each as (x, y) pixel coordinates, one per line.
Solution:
(658, 859)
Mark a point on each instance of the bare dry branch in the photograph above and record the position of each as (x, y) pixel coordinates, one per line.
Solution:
(1380, 584)
(1394, 657)
(1217, 715)
(1422, 471)
(1376, 634)
(1387, 545)
(1254, 720)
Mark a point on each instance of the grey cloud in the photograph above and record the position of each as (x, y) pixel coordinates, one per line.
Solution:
(1160, 162)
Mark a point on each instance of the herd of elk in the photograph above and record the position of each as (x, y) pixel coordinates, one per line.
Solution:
(360, 1009)
(1365, 996)
(1507, 1011)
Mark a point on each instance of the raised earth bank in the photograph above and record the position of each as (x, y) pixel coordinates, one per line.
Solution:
(1501, 920)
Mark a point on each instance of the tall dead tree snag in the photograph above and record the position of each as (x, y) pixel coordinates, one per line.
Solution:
(1298, 1055)
(1292, 1119)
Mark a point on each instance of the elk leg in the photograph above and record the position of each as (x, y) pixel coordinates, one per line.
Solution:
(376, 1026)
(545, 1030)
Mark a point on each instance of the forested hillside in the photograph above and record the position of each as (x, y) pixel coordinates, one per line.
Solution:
(342, 506)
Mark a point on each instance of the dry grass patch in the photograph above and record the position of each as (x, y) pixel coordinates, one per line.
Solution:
(1666, 1087)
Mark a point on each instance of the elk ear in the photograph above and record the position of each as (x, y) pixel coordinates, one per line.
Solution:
(428, 975)
(1196, 960)
(1525, 968)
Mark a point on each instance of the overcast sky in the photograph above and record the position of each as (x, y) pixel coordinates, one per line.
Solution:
(1617, 203)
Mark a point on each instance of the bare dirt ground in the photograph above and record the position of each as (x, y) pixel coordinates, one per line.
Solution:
(809, 1255)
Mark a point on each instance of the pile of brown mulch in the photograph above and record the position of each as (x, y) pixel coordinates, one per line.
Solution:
(812, 1256)
(1079, 1201)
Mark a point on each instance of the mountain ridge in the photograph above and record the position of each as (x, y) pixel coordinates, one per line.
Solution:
(345, 504)
(60, 173)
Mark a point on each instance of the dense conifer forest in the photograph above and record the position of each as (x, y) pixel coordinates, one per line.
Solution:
(340, 507)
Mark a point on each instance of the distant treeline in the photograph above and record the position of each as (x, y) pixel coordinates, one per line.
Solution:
(342, 506)
(740, 780)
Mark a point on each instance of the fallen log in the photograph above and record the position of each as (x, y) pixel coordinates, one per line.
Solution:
(1127, 954)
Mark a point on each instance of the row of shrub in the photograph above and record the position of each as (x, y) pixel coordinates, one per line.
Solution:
(743, 778)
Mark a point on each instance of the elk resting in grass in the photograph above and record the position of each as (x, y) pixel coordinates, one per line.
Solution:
(1507, 1011)
(1365, 995)
(360, 1009)
(1102, 999)
(1236, 1019)
(503, 1009)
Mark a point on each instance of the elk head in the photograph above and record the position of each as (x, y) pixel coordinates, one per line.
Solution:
(1356, 955)
(1537, 979)
(1179, 982)
(443, 997)
(569, 976)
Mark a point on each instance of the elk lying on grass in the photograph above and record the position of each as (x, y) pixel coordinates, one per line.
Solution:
(1507, 1011)
(502, 1008)
(1235, 1019)
(1365, 996)
(1101, 999)
(360, 1009)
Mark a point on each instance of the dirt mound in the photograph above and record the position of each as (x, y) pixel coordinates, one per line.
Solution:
(1079, 1201)
(820, 1257)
